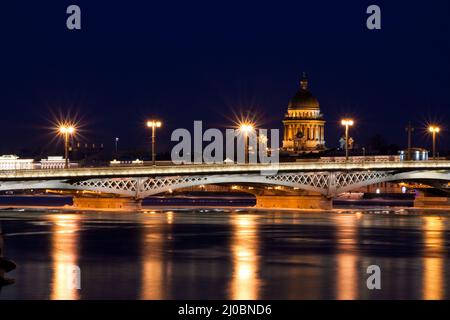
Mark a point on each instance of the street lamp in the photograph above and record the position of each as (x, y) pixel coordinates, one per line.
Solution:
(66, 131)
(246, 128)
(154, 124)
(347, 123)
(434, 129)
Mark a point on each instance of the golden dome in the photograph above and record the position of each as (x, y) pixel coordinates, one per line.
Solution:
(303, 99)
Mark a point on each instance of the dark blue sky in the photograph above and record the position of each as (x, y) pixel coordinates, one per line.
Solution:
(205, 60)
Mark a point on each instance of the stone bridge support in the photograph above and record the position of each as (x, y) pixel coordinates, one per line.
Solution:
(423, 200)
(283, 198)
(291, 201)
(107, 203)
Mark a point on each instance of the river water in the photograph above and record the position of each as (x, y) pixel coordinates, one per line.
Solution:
(227, 254)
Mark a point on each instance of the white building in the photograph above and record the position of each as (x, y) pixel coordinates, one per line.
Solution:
(12, 162)
(53, 162)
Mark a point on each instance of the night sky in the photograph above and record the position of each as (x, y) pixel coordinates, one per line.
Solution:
(182, 61)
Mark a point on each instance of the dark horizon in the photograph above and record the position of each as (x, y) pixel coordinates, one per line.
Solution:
(201, 61)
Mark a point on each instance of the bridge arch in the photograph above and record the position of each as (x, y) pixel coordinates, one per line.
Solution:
(154, 186)
(394, 177)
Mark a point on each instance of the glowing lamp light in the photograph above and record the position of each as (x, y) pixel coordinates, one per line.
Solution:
(67, 129)
(263, 139)
(347, 122)
(246, 127)
(154, 124)
(434, 129)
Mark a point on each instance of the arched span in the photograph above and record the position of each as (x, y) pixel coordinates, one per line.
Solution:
(154, 186)
(308, 182)
(396, 177)
(124, 187)
(144, 187)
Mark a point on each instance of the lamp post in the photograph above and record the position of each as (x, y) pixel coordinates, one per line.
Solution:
(347, 123)
(246, 128)
(410, 130)
(66, 131)
(154, 124)
(434, 130)
(116, 141)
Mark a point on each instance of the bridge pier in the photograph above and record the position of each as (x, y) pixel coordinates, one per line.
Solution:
(423, 200)
(310, 201)
(112, 203)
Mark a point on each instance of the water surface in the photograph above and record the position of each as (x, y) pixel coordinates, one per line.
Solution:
(227, 254)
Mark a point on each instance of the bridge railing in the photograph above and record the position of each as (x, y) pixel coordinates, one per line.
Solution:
(327, 164)
(361, 159)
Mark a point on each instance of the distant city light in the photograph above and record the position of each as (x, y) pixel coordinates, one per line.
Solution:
(263, 139)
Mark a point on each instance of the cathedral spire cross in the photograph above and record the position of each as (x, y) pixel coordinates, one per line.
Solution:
(304, 82)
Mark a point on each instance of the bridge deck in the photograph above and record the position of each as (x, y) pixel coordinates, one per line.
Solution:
(200, 169)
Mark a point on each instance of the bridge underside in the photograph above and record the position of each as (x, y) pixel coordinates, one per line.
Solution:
(320, 187)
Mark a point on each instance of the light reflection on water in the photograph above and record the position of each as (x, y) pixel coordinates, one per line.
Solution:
(433, 264)
(226, 255)
(346, 237)
(64, 253)
(155, 270)
(245, 282)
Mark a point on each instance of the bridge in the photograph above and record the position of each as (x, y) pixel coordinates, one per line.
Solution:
(305, 184)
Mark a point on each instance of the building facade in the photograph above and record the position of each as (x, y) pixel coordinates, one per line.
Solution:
(12, 162)
(53, 162)
(304, 125)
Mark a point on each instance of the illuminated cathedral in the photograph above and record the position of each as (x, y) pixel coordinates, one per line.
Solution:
(304, 125)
